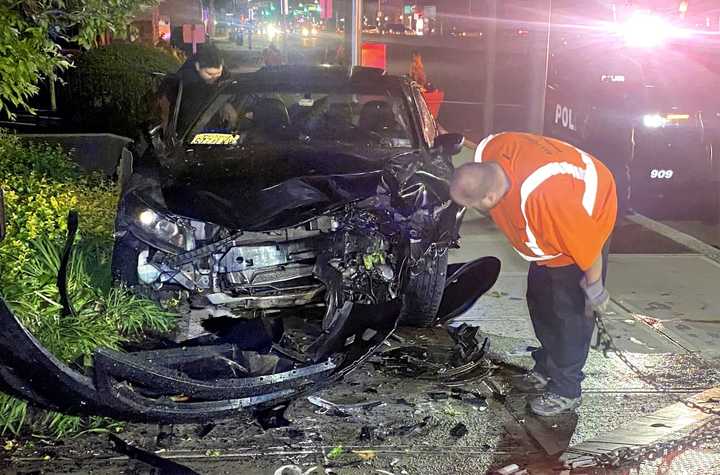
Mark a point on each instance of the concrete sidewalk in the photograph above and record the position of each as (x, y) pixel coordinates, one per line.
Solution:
(665, 317)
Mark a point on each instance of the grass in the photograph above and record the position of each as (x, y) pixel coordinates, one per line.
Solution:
(41, 185)
(106, 317)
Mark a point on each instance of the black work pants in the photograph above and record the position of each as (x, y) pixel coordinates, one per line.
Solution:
(562, 323)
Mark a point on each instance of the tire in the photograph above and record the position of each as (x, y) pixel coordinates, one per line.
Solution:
(423, 294)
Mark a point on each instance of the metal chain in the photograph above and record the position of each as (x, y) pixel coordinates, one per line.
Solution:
(709, 432)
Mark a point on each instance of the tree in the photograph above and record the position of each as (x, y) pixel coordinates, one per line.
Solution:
(31, 34)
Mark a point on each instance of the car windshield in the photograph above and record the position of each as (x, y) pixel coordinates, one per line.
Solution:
(314, 117)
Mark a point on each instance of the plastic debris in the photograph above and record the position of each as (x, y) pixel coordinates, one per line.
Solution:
(460, 430)
(335, 453)
(409, 429)
(365, 454)
(289, 470)
(507, 470)
(366, 433)
(343, 410)
(164, 466)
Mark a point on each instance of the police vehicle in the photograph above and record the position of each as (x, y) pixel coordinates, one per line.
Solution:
(639, 94)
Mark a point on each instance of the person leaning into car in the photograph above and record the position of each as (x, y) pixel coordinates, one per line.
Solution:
(199, 75)
(557, 205)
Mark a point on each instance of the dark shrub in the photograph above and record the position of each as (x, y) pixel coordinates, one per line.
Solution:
(112, 88)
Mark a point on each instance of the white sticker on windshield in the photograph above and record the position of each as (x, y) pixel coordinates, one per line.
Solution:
(306, 102)
(215, 139)
(400, 142)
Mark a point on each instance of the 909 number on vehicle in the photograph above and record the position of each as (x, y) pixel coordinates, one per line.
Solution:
(661, 174)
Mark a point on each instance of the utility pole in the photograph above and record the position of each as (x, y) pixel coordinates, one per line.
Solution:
(284, 12)
(490, 59)
(539, 59)
(356, 32)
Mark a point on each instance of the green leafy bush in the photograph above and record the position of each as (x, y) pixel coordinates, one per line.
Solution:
(111, 89)
(41, 185)
(29, 53)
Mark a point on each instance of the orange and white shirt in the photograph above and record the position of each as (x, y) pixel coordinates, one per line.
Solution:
(561, 205)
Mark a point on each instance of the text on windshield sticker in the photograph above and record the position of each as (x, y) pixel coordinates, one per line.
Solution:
(215, 139)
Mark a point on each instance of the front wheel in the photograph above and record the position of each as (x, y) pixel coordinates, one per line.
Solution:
(424, 292)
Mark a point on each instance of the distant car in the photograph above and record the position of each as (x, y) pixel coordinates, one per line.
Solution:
(309, 31)
(398, 29)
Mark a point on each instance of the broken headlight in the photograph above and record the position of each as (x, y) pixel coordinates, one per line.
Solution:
(161, 229)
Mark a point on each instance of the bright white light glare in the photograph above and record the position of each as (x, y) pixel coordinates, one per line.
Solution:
(653, 121)
(272, 31)
(147, 217)
(645, 30)
(305, 32)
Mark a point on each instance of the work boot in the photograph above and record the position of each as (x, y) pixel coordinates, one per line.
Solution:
(551, 404)
(530, 382)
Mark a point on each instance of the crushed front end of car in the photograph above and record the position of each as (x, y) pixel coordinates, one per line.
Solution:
(302, 306)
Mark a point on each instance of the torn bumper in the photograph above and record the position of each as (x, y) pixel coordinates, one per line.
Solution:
(167, 385)
(153, 386)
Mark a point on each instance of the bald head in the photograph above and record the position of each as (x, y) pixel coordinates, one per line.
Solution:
(479, 185)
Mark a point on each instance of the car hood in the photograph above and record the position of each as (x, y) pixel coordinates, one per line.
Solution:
(263, 191)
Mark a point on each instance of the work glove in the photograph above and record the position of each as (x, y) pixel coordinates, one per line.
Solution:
(596, 294)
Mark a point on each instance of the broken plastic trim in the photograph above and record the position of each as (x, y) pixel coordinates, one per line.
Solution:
(144, 386)
(465, 284)
(2, 215)
(72, 227)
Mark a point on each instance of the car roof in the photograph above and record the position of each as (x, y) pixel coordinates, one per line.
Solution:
(320, 76)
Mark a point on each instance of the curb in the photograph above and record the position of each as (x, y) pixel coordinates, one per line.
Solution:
(680, 237)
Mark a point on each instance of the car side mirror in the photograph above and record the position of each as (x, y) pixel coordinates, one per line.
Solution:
(449, 144)
(2, 215)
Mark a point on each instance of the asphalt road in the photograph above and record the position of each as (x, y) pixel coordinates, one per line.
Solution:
(460, 73)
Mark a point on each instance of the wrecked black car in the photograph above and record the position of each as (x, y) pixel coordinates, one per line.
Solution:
(292, 224)
(297, 187)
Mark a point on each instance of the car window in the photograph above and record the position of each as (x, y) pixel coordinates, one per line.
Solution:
(311, 117)
(428, 123)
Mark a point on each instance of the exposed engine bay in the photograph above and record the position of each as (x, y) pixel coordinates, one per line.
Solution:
(345, 252)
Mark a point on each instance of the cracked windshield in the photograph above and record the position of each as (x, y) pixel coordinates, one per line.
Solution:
(360, 237)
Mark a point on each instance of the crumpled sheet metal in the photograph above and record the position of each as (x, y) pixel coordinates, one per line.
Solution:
(29, 371)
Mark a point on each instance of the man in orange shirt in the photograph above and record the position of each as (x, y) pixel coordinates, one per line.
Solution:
(557, 205)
